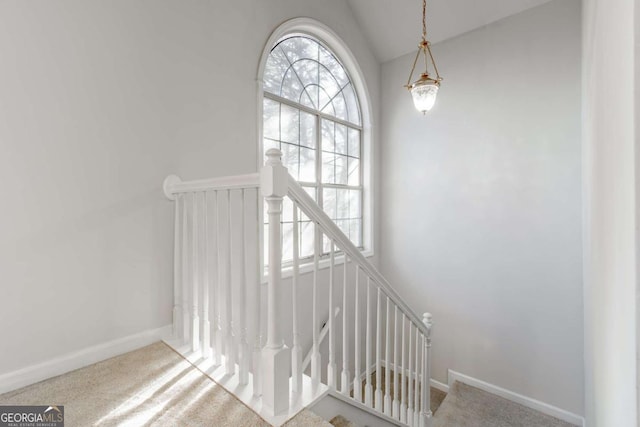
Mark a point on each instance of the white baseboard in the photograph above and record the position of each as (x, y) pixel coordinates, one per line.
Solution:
(545, 408)
(439, 386)
(79, 359)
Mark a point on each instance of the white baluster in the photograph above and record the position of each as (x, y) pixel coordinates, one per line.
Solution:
(244, 356)
(177, 266)
(195, 277)
(230, 353)
(219, 300)
(357, 380)
(395, 406)
(296, 351)
(186, 271)
(331, 367)
(403, 372)
(315, 355)
(204, 255)
(426, 415)
(276, 357)
(421, 389)
(177, 199)
(344, 381)
(368, 389)
(416, 383)
(387, 361)
(378, 392)
(212, 267)
(223, 274)
(410, 384)
(253, 270)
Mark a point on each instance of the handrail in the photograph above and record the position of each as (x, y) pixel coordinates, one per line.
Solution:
(173, 184)
(310, 209)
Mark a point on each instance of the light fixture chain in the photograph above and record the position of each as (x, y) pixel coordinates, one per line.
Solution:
(424, 19)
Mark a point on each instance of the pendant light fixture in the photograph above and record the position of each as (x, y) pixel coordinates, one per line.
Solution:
(425, 89)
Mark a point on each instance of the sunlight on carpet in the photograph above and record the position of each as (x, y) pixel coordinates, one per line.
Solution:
(150, 386)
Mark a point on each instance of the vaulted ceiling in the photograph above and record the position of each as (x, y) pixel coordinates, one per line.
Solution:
(394, 27)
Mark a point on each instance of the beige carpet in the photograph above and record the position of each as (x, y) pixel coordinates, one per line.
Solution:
(340, 421)
(156, 386)
(150, 386)
(467, 406)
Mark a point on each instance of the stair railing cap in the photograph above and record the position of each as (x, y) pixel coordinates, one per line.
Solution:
(168, 184)
(274, 177)
(274, 156)
(427, 319)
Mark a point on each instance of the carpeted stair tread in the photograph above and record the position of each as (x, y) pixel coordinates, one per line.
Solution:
(340, 421)
(466, 406)
(306, 418)
(437, 396)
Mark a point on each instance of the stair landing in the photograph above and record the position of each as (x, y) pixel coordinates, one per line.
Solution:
(244, 392)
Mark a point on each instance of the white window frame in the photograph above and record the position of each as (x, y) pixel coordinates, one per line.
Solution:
(326, 36)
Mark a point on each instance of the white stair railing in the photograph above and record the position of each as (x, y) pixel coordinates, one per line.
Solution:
(216, 271)
(381, 323)
(216, 265)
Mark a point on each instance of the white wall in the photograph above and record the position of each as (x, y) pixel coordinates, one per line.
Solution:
(611, 215)
(99, 102)
(481, 216)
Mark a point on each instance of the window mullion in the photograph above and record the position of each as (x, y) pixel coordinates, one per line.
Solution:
(362, 166)
(319, 195)
(309, 110)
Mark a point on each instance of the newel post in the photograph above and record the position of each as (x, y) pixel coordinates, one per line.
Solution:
(167, 187)
(425, 414)
(276, 356)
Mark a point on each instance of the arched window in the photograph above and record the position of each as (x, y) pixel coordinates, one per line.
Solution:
(311, 112)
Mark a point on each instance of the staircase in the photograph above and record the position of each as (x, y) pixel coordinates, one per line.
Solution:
(235, 328)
